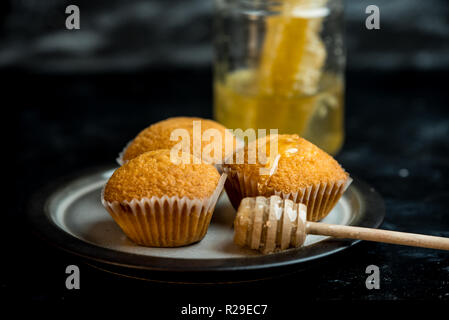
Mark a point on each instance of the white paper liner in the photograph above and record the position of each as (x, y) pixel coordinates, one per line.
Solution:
(119, 158)
(319, 198)
(164, 221)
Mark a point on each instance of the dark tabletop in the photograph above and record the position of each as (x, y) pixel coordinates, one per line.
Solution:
(397, 140)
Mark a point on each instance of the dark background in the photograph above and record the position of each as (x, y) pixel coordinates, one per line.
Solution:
(70, 101)
(126, 36)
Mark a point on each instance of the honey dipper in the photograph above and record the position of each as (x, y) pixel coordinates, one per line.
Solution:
(269, 224)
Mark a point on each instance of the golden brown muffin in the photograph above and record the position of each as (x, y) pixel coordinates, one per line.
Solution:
(159, 203)
(157, 136)
(154, 174)
(298, 170)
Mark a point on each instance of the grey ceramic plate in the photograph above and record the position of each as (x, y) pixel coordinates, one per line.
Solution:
(72, 217)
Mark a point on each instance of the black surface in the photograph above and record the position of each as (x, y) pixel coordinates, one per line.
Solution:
(63, 124)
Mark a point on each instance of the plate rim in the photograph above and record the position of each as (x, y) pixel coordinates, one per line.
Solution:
(39, 217)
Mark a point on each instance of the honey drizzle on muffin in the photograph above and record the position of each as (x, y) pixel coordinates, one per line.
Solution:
(286, 147)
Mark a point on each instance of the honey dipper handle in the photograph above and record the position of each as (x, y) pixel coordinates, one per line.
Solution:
(403, 238)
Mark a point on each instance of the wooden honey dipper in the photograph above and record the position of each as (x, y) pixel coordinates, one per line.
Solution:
(269, 224)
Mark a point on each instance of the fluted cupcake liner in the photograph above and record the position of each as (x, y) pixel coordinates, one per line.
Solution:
(319, 198)
(119, 158)
(164, 221)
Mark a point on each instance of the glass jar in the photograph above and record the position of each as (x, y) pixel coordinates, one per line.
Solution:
(280, 65)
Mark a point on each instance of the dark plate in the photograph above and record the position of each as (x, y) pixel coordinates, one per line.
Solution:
(71, 216)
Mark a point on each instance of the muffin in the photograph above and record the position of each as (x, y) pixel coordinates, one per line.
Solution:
(157, 136)
(159, 203)
(296, 170)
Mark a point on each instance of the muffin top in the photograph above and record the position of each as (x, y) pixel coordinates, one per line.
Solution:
(157, 136)
(297, 163)
(154, 174)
